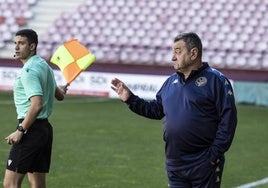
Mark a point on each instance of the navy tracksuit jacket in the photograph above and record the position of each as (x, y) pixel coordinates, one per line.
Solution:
(199, 114)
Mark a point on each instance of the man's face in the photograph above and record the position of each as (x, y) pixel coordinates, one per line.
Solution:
(181, 57)
(23, 50)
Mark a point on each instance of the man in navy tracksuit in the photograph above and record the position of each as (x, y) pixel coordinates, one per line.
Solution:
(200, 117)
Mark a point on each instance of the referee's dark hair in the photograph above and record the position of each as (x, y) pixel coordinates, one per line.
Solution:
(191, 40)
(30, 34)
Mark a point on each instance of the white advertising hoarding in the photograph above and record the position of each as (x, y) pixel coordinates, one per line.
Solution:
(95, 83)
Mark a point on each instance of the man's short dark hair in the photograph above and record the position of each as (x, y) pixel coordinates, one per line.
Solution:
(191, 40)
(30, 34)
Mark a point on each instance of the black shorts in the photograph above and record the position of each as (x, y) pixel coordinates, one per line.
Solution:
(33, 152)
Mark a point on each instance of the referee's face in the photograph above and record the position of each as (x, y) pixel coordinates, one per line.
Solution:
(23, 49)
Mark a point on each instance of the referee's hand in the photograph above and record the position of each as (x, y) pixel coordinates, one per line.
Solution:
(14, 137)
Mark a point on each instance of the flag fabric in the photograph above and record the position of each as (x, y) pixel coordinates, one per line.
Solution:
(72, 58)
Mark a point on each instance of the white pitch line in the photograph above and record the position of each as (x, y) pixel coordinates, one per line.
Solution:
(254, 184)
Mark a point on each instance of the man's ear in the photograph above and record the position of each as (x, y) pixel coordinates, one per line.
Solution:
(194, 53)
(32, 46)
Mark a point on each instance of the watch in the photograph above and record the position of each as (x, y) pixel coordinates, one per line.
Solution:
(20, 128)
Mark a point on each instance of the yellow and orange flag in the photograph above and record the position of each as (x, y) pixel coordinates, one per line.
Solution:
(72, 58)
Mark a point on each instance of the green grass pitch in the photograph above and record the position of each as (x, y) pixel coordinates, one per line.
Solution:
(100, 143)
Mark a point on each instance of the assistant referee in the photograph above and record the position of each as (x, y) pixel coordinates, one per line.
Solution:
(34, 91)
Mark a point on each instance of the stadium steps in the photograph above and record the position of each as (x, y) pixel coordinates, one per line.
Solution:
(45, 13)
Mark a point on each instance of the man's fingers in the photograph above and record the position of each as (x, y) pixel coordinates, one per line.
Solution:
(8, 140)
(114, 88)
(117, 85)
(116, 81)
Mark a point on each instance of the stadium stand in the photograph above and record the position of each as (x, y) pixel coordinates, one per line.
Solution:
(11, 18)
(234, 32)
